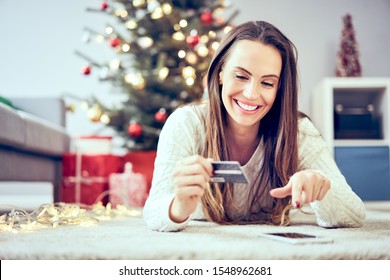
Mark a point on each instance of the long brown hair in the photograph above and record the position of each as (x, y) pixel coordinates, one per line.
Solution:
(278, 130)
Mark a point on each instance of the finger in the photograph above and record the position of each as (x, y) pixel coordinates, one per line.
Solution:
(316, 190)
(303, 200)
(205, 163)
(312, 186)
(307, 192)
(194, 169)
(190, 180)
(324, 190)
(320, 188)
(281, 192)
(296, 193)
(209, 165)
(197, 159)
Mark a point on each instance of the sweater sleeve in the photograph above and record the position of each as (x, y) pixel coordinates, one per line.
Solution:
(341, 207)
(177, 140)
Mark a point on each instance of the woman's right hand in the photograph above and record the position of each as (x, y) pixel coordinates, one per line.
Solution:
(190, 176)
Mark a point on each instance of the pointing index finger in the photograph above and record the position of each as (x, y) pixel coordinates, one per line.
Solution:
(281, 192)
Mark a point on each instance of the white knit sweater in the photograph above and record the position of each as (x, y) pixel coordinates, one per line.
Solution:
(183, 135)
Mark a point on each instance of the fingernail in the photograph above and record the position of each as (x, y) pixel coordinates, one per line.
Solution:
(297, 204)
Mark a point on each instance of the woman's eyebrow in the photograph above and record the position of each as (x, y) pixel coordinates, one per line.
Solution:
(264, 76)
(243, 69)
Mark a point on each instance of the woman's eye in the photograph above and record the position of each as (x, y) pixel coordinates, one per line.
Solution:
(240, 77)
(267, 84)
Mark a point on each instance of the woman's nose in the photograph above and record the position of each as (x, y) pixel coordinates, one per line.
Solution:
(250, 92)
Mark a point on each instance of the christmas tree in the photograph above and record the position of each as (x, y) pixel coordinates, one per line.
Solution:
(162, 55)
(348, 56)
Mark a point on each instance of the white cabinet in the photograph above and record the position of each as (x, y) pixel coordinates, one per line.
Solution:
(353, 116)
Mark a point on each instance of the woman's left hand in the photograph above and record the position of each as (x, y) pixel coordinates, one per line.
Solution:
(304, 186)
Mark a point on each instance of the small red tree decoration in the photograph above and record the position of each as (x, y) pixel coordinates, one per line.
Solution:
(348, 56)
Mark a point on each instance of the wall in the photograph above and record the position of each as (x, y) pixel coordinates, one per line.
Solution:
(38, 40)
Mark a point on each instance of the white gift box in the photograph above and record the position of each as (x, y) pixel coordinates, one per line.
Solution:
(92, 145)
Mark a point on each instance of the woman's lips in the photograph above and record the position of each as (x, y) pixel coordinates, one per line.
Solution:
(247, 108)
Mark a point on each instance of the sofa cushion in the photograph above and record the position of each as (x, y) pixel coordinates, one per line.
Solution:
(21, 130)
(44, 136)
(12, 127)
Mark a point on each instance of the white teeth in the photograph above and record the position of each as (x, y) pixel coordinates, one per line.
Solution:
(247, 107)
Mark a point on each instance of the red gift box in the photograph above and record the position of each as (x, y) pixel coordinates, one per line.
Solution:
(128, 188)
(86, 177)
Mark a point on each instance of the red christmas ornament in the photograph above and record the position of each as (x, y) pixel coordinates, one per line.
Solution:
(86, 70)
(207, 18)
(103, 6)
(161, 115)
(135, 129)
(192, 40)
(114, 42)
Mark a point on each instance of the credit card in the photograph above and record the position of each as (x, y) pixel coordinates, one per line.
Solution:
(228, 172)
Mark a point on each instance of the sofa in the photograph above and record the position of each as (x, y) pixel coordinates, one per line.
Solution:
(33, 139)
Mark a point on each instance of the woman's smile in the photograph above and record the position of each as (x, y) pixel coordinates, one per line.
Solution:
(246, 108)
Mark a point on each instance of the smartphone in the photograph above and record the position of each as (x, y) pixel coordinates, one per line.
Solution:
(296, 237)
(228, 172)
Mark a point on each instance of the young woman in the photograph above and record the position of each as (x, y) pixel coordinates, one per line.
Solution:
(251, 117)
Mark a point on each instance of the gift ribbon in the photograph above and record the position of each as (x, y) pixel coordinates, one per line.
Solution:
(78, 175)
(85, 180)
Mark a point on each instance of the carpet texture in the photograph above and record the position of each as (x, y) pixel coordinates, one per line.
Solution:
(129, 238)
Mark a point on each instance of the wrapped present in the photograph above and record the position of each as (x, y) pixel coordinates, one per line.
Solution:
(86, 177)
(128, 188)
(143, 162)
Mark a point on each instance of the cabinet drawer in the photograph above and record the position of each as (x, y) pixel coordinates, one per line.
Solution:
(366, 170)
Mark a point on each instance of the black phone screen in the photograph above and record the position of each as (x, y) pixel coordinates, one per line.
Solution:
(293, 235)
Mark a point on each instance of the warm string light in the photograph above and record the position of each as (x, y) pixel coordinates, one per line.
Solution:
(62, 214)
(122, 13)
(136, 80)
(94, 113)
(138, 3)
(131, 24)
(163, 73)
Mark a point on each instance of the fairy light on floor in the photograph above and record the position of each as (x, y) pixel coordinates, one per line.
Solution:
(62, 214)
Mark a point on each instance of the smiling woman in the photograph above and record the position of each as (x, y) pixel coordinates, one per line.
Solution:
(250, 79)
(252, 118)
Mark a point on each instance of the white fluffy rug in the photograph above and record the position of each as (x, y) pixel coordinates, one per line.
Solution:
(128, 238)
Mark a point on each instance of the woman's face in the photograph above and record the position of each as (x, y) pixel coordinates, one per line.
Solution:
(249, 80)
